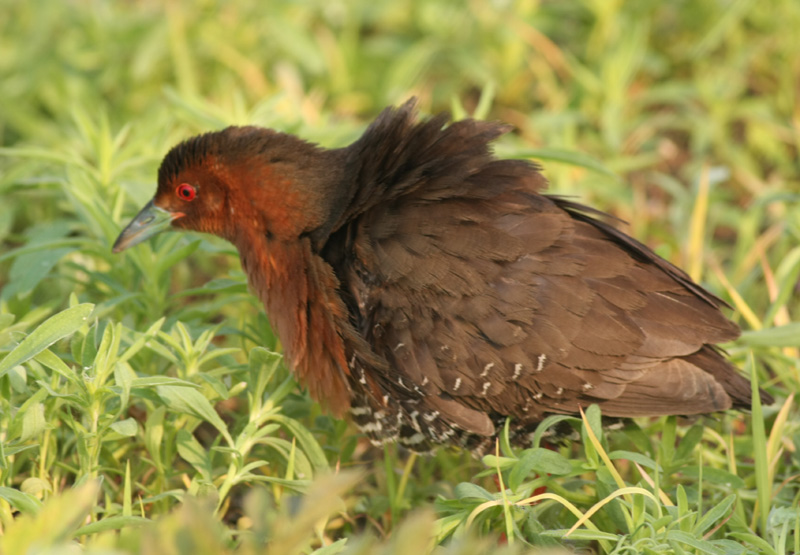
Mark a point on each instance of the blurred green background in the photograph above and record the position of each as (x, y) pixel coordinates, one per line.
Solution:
(681, 118)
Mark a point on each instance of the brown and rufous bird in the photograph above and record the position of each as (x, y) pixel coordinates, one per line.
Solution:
(432, 290)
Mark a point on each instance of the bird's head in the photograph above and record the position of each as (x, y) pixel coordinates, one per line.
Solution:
(238, 182)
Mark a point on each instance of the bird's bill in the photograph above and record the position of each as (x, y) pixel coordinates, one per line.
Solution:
(150, 221)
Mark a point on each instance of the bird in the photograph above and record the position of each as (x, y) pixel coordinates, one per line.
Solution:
(432, 290)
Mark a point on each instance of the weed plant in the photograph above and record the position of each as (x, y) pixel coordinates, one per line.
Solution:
(144, 405)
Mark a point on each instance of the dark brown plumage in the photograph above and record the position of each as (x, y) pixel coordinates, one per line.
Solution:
(433, 290)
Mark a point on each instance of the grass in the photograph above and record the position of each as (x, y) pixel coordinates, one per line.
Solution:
(143, 405)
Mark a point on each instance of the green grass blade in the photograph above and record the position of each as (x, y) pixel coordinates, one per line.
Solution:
(58, 326)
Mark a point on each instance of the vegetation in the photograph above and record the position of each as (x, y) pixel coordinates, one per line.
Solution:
(143, 407)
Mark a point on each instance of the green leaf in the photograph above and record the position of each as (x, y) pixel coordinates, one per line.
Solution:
(6, 451)
(123, 377)
(154, 381)
(6, 320)
(539, 460)
(262, 365)
(117, 522)
(216, 384)
(306, 440)
(701, 545)
(56, 327)
(192, 452)
(173, 256)
(33, 422)
(761, 544)
(466, 490)
(127, 504)
(128, 427)
(760, 444)
(581, 534)
(332, 549)
(154, 435)
(294, 484)
(493, 462)
(35, 486)
(781, 336)
(715, 476)
(191, 401)
(571, 157)
(715, 514)
(546, 424)
(219, 286)
(643, 460)
(22, 501)
(50, 360)
(689, 441)
(141, 340)
(28, 270)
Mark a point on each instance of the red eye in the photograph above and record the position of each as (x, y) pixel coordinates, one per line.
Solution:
(186, 191)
